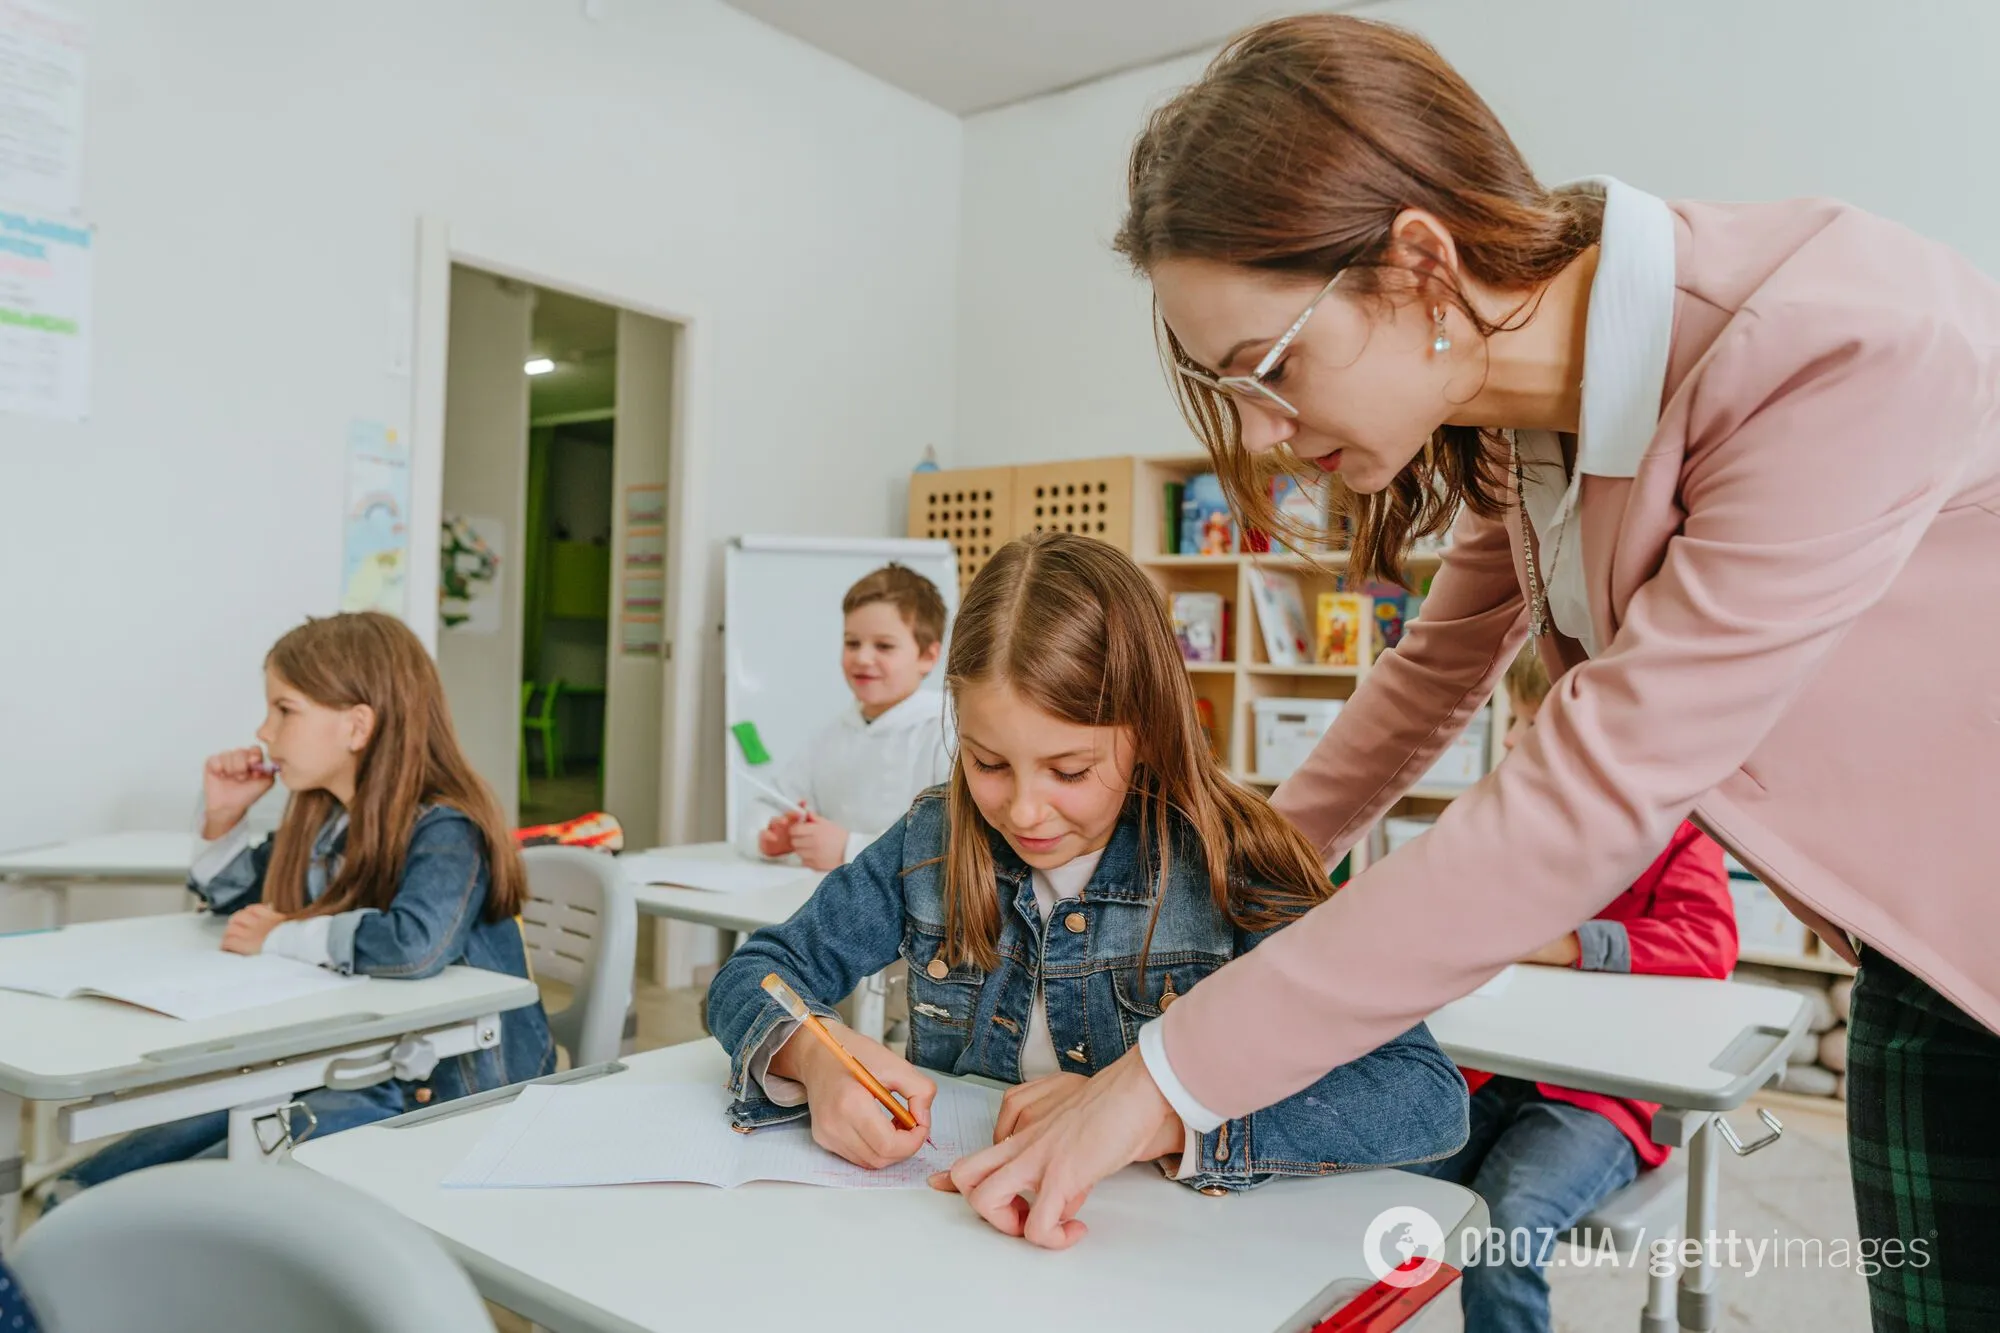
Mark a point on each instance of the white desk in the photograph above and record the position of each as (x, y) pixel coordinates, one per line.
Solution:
(1159, 1256)
(141, 1068)
(742, 913)
(1697, 1047)
(148, 857)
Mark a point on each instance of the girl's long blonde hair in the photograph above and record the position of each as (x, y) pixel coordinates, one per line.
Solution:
(411, 760)
(1075, 628)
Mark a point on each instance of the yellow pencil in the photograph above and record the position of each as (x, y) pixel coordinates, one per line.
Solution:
(788, 999)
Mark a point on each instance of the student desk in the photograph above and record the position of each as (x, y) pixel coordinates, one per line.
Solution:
(1159, 1256)
(742, 913)
(1697, 1047)
(137, 857)
(139, 1068)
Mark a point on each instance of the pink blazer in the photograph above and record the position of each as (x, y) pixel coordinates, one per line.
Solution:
(1802, 589)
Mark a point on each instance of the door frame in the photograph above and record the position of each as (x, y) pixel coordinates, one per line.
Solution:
(577, 270)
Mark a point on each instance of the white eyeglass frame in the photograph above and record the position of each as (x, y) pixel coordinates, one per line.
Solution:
(1251, 388)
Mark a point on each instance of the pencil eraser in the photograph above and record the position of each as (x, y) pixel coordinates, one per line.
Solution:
(750, 743)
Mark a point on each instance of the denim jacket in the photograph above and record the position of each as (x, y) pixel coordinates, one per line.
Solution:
(1401, 1103)
(437, 918)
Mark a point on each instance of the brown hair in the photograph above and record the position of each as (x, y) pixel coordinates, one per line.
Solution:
(1527, 677)
(1074, 627)
(1294, 153)
(915, 597)
(412, 759)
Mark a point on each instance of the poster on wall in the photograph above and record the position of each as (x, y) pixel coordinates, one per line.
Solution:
(470, 556)
(642, 603)
(642, 613)
(375, 542)
(44, 315)
(41, 107)
(645, 506)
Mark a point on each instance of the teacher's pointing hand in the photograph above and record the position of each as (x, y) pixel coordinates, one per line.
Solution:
(1118, 1118)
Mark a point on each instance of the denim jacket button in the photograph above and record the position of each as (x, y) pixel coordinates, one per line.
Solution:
(1075, 923)
(1213, 1191)
(937, 969)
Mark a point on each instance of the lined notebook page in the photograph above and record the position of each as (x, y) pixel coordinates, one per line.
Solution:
(615, 1133)
(190, 986)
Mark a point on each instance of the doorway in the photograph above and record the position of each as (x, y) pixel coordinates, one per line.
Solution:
(559, 443)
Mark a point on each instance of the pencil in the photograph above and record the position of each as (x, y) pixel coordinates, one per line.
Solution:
(788, 999)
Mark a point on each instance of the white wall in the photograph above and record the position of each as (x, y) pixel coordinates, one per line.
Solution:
(256, 172)
(1896, 109)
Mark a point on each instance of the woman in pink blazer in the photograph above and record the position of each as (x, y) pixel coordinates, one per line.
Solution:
(1737, 465)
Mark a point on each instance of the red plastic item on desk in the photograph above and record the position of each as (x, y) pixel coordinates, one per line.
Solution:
(1384, 1306)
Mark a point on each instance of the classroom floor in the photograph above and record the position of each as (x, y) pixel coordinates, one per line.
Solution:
(552, 800)
(1794, 1189)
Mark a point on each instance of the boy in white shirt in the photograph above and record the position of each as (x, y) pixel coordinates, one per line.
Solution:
(861, 774)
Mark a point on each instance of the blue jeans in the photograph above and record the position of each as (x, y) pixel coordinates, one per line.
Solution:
(208, 1135)
(1541, 1166)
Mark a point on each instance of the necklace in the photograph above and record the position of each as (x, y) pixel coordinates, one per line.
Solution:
(1538, 597)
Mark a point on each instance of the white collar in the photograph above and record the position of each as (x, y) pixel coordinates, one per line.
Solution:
(923, 706)
(1630, 330)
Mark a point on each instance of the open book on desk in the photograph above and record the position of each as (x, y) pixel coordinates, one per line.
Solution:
(622, 1133)
(716, 874)
(190, 986)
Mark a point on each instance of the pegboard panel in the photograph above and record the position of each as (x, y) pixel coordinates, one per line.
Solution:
(972, 508)
(1092, 496)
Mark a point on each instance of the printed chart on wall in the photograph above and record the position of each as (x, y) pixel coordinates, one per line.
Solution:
(375, 546)
(642, 605)
(41, 107)
(44, 316)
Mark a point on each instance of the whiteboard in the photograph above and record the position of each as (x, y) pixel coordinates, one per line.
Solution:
(781, 634)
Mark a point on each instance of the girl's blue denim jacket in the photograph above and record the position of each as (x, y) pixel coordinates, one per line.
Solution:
(1401, 1103)
(437, 918)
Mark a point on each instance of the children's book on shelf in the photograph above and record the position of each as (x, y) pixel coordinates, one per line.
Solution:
(1200, 624)
(1206, 528)
(1345, 626)
(1281, 616)
(1170, 517)
(1394, 606)
(1302, 503)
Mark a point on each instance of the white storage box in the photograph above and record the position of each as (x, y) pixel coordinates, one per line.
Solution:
(1464, 761)
(1286, 731)
(1763, 924)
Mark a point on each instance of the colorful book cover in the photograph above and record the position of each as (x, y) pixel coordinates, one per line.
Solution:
(1206, 528)
(1301, 504)
(1200, 624)
(1345, 626)
(1281, 616)
(1170, 518)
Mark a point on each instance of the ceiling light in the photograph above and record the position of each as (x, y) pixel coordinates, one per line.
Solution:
(539, 365)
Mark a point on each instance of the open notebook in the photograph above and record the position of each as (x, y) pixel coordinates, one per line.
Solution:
(623, 1133)
(191, 986)
(679, 870)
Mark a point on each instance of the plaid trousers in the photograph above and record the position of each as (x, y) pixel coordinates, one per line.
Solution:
(1923, 1107)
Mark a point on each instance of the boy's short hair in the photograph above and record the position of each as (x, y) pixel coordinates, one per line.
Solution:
(913, 595)
(1527, 678)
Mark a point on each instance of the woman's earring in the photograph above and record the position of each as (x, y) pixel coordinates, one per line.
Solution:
(1441, 336)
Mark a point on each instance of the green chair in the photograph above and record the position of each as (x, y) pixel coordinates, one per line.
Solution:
(538, 717)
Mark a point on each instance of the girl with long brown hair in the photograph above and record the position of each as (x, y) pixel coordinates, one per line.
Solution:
(1086, 866)
(392, 860)
(1734, 466)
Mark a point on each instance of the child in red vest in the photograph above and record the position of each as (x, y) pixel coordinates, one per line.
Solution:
(1542, 1156)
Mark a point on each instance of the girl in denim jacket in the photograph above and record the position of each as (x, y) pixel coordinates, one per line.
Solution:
(393, 860)
(1088, 862)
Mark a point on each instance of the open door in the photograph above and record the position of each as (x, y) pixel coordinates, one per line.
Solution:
(485, 500)
(639, 679)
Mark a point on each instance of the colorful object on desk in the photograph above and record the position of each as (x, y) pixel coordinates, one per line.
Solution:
(597, 831)
(752, 745)
(788, 1000)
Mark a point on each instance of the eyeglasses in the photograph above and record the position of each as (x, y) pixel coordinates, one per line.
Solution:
(1251, 388)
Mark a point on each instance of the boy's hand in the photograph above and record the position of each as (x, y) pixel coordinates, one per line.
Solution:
(846, 1119)
(231, 782)
(776, 839)
(1563, 951)
(820, 843)
(246, 929)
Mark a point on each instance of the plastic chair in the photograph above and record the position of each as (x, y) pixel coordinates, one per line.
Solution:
(581, 926)
(201, 1246)
(527, 696)
(538, 717)
(1651, 1209)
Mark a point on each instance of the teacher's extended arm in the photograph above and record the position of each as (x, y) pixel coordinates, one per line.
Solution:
(1819, 448)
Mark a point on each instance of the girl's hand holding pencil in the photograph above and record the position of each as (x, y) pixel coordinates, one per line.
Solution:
(848, 1116)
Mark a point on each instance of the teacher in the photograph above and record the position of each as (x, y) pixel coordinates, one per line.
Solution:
(1737, 466)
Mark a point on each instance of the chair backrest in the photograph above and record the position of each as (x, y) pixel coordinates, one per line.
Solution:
(201, 1246)
(581, 926)
(538, 702)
